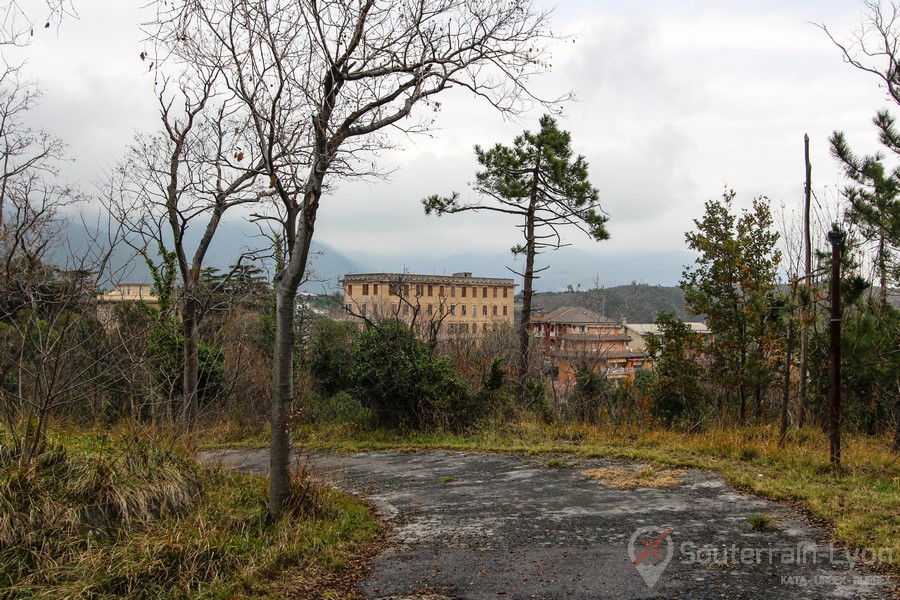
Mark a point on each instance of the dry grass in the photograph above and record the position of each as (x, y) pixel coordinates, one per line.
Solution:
(646, 476)
(128, 519)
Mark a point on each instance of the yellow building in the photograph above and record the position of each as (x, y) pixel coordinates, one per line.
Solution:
(455, 305)
(124, 292)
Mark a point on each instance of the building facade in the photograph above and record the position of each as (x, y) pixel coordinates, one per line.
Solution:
(640, 331)
(453, 305)
(573, 338)
(123, 293)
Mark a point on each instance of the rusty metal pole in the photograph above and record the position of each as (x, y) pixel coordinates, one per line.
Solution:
(836, 237)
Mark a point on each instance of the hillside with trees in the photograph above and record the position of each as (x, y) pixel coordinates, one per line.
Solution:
(637, 302)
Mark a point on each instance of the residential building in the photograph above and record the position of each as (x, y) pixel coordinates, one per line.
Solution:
(640, 331)
(453, 305)
(123, 292)
(573, 337)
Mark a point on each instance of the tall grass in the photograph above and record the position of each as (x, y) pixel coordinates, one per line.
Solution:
(124, 518)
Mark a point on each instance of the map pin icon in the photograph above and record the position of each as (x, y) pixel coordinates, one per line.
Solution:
(650, 550)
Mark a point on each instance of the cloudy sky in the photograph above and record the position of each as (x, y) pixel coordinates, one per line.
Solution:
(675, 100)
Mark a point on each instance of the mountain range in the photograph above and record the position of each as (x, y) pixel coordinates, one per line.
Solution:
(568, 266)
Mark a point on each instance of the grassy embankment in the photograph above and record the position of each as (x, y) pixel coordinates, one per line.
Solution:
(860, 504)
(103, 516)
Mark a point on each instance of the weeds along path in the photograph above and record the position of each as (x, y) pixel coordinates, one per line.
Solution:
(470, 525)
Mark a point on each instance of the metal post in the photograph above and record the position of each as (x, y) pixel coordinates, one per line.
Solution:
(836, 237)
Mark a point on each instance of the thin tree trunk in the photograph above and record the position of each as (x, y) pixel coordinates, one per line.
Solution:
(786, 389)
(804, 315)
(528, 283)
(896, 446)
(190, 405)
(527, 290)
(742, 393)
(882, 274)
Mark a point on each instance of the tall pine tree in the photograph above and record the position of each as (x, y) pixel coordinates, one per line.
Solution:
(538, 181)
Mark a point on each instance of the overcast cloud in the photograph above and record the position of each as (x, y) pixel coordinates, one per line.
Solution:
(675, 100)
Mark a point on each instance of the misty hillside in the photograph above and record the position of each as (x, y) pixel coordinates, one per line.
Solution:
(638, 303)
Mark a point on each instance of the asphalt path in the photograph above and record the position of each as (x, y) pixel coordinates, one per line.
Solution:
(473, 525)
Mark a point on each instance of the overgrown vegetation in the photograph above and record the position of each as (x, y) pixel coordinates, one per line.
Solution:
(104, 516)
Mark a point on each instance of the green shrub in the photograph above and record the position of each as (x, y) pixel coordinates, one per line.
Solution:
(166, 350)
(398, 377)
(328, 354)
(342, 408)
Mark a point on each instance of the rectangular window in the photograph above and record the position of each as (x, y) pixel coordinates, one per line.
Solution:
(395, 309)
(484, 327)
(484, 310)
(452, 309)
(418, 289)
(394, 289)
(405, 289)
(375, 289)
(349, 307)
(504, 310)
(474, 292)
(463, 310)
(441, 291)
(349, 289)
(365, 289)
(484, 292)
(430, 290)
(494, 310)
(495, 290)
(465, 328)
(430, 309)
(474, 310)
(464, 288)
(505, 292)
(406, 310)
(452, 328)
(453, 291)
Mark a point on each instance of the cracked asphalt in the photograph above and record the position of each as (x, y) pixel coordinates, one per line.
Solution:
(472, 525)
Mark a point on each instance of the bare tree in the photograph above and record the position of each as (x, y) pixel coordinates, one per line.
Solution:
(17, 22)
(188, 175)
(51, 343)
(323, 82)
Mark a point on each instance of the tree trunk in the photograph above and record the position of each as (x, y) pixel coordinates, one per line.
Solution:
(896, 446)
(282, 399)
(190, 406)
(786, 390)
(882, 274)
(528, 276)
(804, 315)
(286, 283)
(527, 290)
(742, 392)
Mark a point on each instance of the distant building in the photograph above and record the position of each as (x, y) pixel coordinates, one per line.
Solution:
(640, 331)
(123, 292)
(453, 305)
(574, 337)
